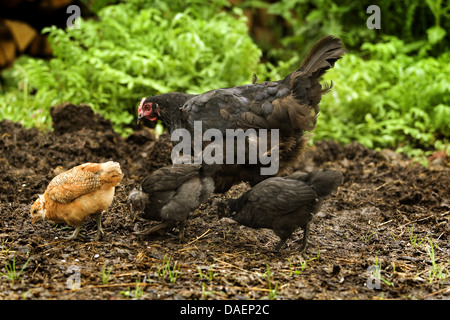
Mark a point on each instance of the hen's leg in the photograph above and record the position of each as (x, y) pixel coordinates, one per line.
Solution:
(74, 235)
(100, 232)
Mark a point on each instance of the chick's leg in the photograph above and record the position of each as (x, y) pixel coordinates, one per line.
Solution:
(100, 232)
(280, 244)
(305, 238)
(74, 235)
(181, 233)
(151, 229)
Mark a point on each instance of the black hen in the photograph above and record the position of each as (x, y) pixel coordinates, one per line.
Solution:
(290, 105)
(282, 204)
(169, 194)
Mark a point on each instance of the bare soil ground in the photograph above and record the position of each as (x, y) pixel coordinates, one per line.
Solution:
(390, 214)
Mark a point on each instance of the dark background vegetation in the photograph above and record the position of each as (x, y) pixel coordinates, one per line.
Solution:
(391, 90)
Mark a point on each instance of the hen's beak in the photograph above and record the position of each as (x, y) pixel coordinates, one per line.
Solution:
(142, 120)
(33, 220)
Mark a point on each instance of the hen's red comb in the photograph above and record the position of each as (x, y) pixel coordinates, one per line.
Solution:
(140, 105)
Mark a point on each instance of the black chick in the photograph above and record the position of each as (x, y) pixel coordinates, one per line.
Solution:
(169, 194)
(282, 204)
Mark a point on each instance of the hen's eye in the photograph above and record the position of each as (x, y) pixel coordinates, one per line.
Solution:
(35, 211)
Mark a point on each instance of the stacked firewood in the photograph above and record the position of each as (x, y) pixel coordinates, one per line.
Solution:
(21, 22)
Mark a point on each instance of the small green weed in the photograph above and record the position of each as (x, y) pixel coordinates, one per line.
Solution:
(208, 275)
(272, 288)
(378, 273)
(4, 248)
(368, 236)
(105, 274)
(206, 293)
(135, 294)
(166, 270)
(303, 264)
(414, 239)
(437, 272)
(11, 271)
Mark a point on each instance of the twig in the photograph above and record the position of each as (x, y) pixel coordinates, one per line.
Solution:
(386, 222)
(381, 186)
(188, 248)
(231, 265)
(234, 254)
(49, 243)
(417, 220)
(198, 238)
(347, 260)
(112, 285)
(444, 290)
(250, 289)
(32, 275)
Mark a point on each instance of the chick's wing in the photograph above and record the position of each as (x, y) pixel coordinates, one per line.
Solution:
(72, 184)
(278, 196)
(169, 178)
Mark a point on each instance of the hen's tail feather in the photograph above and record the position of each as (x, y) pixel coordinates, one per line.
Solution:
(304, 82)
(323, 55)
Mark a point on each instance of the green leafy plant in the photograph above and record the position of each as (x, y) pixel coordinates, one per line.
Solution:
(297, 24)
(368, 236)
(303, 264)
(4, 248)
(377, 273)
(11, 271)
(392, 90)
(168, 270)
(414, 239)
(388, 93)
(391, 100)
(134, 49)
(105, 275)
(438, 272)
(208, 275)
(135, 294)
(272, 287)
(206, 293)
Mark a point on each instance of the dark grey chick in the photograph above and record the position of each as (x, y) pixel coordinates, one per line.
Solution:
(169, 194)
(282, 204)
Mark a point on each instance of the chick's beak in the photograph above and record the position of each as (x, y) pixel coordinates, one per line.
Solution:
(133, 213)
